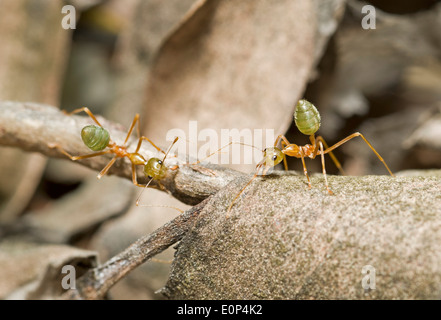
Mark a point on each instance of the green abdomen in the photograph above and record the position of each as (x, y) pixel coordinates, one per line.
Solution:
(306, 117)
(95, 137)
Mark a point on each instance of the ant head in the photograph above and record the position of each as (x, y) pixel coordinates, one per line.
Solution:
(155, 169)
(272, 156)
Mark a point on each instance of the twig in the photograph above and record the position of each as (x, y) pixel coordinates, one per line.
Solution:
(95, 283)
(32, 127)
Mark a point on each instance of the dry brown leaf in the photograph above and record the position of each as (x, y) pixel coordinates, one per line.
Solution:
(147, 25)
(386, 134)
(374, 62)
(32, 58)
(33, 271)
(428, 132)
(232, 65)
(81, 211)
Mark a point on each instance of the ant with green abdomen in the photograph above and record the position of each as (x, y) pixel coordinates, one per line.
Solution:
(97, 138)
(307, 120)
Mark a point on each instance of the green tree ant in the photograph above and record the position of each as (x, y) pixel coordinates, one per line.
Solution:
(96, 138)
(307, 120)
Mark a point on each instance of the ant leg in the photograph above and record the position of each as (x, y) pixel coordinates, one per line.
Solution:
(357, 134)
(129, 133)
(334, 159)
(284, 143)
(91, 155)
(305, 171)
(86, 110)
(134, 178)
(140, 138)
(280, 138)
(240, 192)
(151, 142)
(74, 158)
(107, 167)
(285, 164)
(323, 167)
(258, 167)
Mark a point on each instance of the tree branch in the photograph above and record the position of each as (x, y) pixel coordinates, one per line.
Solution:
(32, 127)
(95, 283)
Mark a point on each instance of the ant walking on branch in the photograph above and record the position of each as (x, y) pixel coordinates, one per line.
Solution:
(307, 120)
(97, 138)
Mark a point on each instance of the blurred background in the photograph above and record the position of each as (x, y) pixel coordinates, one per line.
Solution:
(226, 66)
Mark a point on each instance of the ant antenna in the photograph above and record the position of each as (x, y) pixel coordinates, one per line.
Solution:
(225, 146)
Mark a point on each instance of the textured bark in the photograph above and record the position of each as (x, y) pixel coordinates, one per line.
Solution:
(285, 241)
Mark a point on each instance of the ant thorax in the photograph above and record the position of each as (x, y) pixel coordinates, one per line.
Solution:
(136, 158)
(296, 151)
